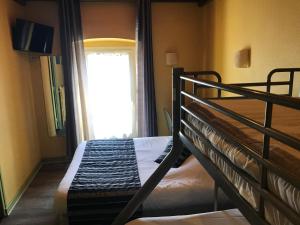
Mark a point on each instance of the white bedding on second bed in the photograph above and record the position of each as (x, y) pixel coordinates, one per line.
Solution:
(227, 217)
(186, 189)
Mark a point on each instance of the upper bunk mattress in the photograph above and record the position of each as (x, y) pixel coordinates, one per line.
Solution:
(175, 193)
(227, 217)
(284, 119)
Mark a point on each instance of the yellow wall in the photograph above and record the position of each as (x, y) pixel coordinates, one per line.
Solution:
(45, 13)
(271, 28)
(177, 27)
(108, 42)
(108, 20)
(19, 142)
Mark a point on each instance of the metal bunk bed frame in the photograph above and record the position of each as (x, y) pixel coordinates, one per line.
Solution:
(255, 217)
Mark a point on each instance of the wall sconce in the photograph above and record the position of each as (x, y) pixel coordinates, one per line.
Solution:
(171, 59)
(243, 58)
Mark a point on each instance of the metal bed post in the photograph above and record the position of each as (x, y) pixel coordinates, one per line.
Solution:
(182, 98)
(182, 112)
(166, 164)
(216, 191)
(265, 155)
(291, 85)
(195, 75)
(194, 86)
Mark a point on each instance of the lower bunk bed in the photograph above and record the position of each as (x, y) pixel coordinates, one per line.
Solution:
(250, 145)
(184, 190)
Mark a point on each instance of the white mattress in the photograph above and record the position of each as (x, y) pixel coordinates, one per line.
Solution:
(227, 217)
(187, 189)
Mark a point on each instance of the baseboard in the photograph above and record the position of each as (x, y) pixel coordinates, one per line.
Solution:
(11, 205)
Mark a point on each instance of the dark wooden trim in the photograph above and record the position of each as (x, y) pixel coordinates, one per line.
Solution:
(200, 2)
(21, 2)
(203, 2)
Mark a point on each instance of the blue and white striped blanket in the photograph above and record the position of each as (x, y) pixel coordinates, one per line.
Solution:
(106, 180)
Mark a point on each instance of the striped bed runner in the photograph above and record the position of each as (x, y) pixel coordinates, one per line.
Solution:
(106, 180)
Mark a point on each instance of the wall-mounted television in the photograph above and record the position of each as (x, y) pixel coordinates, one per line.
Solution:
(32, 37)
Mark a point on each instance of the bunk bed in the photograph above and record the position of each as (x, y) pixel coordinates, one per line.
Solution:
(261, 175)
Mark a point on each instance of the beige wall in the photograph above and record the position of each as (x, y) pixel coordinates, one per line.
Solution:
(19, 148)
(108, 20)
(45, 13)
(177, 27)
(271, 28)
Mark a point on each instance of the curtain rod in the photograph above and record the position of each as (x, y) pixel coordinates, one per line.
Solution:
(183, 1)
(200, 2)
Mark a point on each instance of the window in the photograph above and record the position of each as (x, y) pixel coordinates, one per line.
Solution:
(111, 85)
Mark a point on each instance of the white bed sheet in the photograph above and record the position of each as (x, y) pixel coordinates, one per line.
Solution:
(186, 189)
(227, 217)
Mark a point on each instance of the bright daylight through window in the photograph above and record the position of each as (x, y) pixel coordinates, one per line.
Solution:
(111, 85)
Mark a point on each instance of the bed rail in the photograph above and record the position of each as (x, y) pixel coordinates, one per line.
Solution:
(179, 110)
(268, 84)
(268, 132)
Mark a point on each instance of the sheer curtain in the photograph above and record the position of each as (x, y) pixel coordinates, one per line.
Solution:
(146, 104)
(111, 87)
(78, 126)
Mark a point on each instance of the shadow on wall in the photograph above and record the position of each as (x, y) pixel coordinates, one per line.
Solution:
(214, 16)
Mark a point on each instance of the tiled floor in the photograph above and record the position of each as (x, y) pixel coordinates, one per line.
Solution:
(36, 205)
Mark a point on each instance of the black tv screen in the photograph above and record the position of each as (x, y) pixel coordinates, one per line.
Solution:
(32, 37)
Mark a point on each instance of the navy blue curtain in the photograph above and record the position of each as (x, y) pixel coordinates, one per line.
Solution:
(73, 62)
(145, 67)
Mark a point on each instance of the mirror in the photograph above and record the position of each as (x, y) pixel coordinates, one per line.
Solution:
(54, 93)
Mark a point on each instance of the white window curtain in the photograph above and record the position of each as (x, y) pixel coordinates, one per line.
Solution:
(82, 113)
(111, 81)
